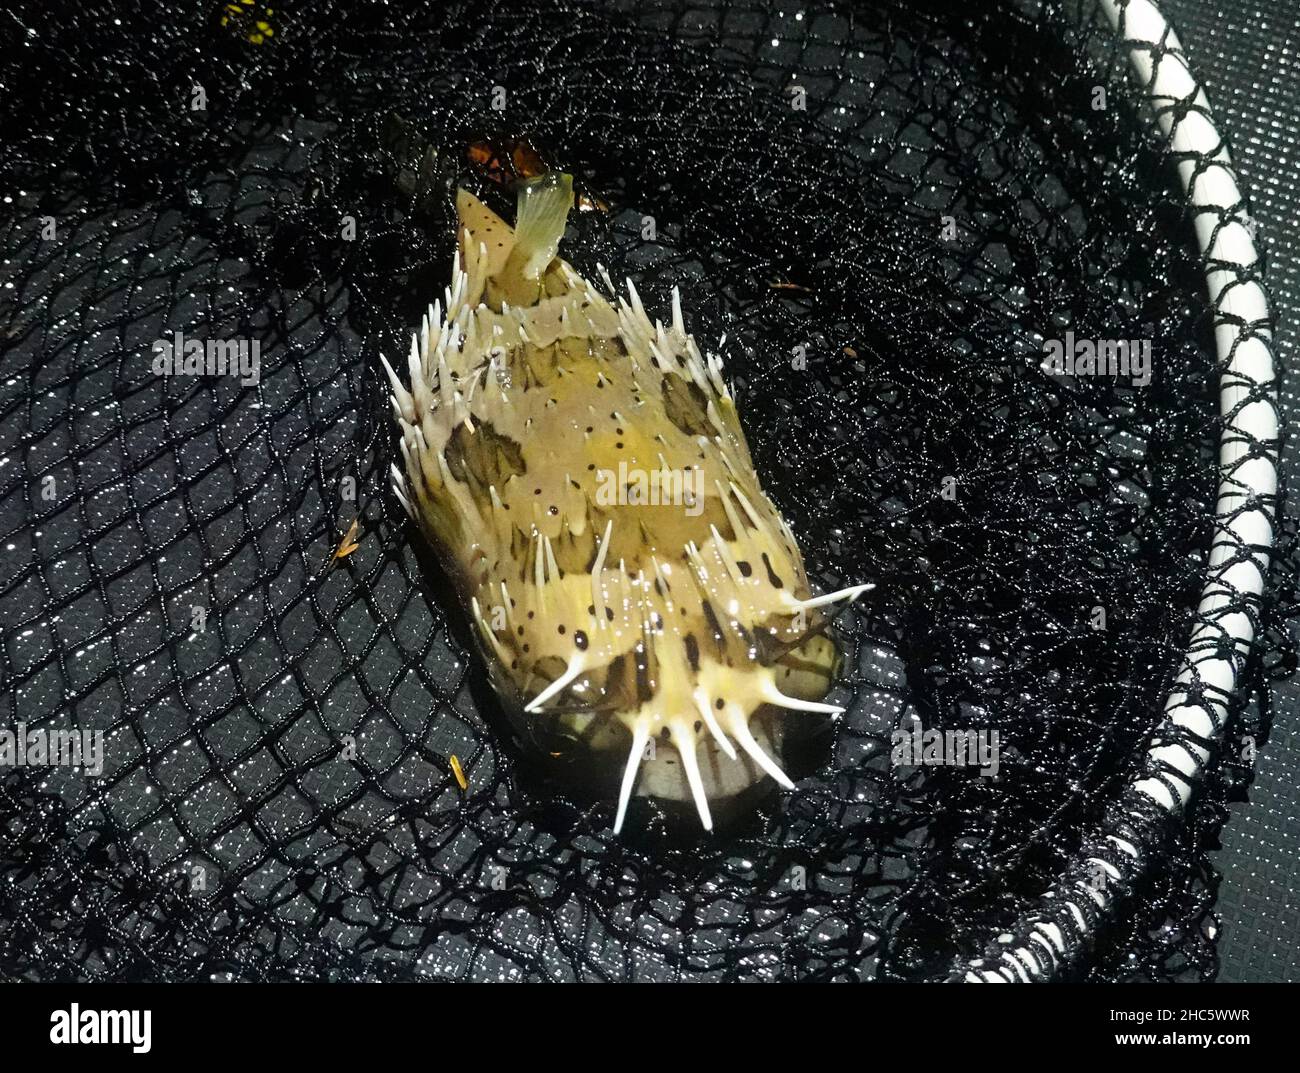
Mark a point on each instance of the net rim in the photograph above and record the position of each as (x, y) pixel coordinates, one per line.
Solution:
(1048, 937)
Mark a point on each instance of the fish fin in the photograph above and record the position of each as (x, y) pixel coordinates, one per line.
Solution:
(485, 228)
(543, 212)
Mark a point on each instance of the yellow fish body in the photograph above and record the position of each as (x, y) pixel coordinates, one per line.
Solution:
(583, 472)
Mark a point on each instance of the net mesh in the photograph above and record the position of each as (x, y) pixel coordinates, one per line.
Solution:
(887, 207)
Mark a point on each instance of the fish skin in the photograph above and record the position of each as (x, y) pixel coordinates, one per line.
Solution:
(665, 638)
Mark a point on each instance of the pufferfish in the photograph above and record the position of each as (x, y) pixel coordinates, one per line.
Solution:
(583, 473)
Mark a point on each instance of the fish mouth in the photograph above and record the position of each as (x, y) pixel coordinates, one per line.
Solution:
(597, 736)
(587, 751)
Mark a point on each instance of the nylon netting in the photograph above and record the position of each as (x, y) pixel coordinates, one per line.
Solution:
(947, 197)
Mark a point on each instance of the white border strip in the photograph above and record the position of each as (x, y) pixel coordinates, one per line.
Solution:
(1244, 346)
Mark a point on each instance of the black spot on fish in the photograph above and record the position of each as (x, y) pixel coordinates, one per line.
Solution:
(483, 457)
(772, 577)
(714, 625)
(686, 406)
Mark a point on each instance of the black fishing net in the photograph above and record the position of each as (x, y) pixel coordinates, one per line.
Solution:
(888, 207)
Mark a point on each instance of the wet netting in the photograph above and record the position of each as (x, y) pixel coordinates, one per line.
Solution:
(888, 208)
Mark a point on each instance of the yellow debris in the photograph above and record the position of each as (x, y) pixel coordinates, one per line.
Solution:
(456, 770)
(349, 543)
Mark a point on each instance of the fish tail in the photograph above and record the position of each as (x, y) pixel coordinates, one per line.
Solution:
(543, 212)
(514, 260)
